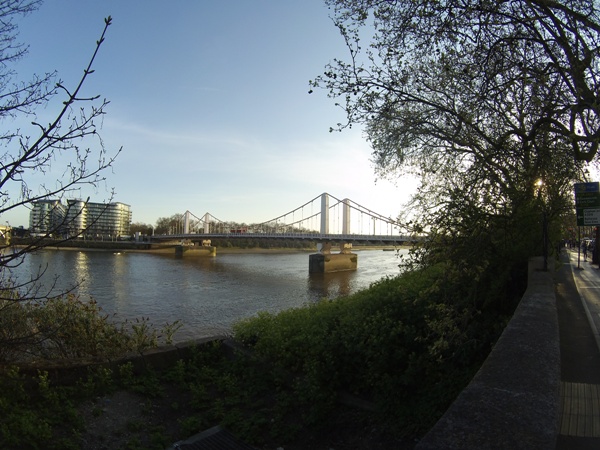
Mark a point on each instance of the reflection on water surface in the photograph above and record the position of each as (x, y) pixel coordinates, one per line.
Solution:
(206, 294)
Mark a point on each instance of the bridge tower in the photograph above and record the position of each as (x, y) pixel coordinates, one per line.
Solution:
(325, 213)
(186, 223)
(346, 216)
(206, 220)
(325, 261)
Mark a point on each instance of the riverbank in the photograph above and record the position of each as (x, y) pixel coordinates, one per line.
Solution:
(170, 250)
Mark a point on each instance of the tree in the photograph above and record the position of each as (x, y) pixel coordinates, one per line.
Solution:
(551, 45)
(57, 146)
(169, 225)
(500, 93)
(62, 141)
(481, 100)
(142, 228)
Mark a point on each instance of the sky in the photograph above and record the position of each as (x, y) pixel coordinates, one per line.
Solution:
(209, 102)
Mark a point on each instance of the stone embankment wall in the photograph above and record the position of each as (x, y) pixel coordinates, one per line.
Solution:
(513, 400)
(159, 358)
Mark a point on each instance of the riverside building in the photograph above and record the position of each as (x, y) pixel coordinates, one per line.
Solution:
(86, 219)
(46, 216)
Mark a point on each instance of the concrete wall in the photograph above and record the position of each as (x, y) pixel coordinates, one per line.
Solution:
(513, 400)
(157, 358)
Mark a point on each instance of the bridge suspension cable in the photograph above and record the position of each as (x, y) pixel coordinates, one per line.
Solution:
(347, 217)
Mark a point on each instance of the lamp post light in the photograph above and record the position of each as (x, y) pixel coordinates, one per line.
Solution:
(540, 185)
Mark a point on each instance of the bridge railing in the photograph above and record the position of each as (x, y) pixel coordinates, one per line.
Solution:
(301, 236)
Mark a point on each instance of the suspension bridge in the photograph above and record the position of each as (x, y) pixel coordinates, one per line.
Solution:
(324, 219)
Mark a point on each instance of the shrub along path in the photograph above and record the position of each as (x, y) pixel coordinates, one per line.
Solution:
(123, 409)
(212, 389)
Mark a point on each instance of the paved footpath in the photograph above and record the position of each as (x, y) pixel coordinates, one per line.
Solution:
(578, 307)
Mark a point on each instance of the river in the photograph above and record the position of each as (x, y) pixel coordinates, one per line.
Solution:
(207, 294)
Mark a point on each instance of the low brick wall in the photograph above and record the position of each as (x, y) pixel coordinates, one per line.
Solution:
(157, 358)
(513, 400)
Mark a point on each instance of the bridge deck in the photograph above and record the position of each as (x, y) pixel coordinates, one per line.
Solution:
(296, 236)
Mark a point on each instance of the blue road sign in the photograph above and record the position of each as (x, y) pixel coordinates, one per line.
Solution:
(587, 187)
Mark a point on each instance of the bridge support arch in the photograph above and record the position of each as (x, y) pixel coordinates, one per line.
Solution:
(326, 262)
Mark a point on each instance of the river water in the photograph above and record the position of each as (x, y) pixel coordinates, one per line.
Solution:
(207, 294)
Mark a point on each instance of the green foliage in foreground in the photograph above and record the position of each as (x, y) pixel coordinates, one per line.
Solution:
(409, 344)
(69, 329)
(261, 406)
(406, 346)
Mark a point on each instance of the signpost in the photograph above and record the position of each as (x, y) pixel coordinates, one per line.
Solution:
(587, 206)
(591, 216)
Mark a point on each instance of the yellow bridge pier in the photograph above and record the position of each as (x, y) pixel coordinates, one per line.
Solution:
(322, 262)
(206, 249)
(325, 261)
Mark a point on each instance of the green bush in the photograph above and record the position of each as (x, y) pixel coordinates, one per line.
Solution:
(67, 328)
(31, 409)
(408, 343)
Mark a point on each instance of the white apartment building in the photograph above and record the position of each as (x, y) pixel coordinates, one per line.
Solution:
(46, 216)
(98, 220)
(89, 219)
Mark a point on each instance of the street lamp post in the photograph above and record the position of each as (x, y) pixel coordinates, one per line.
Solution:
(545, 236)
(540, 184)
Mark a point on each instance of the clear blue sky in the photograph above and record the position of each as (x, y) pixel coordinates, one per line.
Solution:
(209, 100)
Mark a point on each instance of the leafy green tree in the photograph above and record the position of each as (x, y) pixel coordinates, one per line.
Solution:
(142, 228)
(169, 225)
(487, 47)
(482, 101)
(474, 97)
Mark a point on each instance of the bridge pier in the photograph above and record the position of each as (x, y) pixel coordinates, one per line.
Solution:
(325, 261)
(195, 250)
